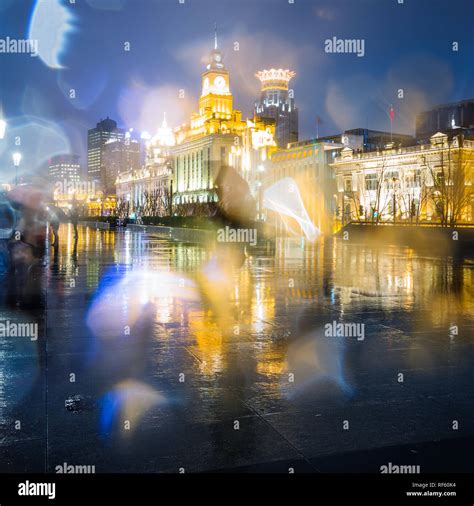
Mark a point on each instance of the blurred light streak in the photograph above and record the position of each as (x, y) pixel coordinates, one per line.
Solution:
(125, 301)
(127, 401)
(40, 140)
(50, 24)
(284, 198)
(314, 358)
(3, 127)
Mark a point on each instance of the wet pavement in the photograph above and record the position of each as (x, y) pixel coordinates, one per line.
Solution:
(153, 357)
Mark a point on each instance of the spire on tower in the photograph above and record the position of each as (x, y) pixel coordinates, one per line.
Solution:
(215, 58)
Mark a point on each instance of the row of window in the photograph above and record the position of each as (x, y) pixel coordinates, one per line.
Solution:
(293, 156)
(373, 180)
(192, 171)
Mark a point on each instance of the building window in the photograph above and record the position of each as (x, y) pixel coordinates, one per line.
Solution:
(440, 178)
(415, 180)
(371, 182)
(391, 175)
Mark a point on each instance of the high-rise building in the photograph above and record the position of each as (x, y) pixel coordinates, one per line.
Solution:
(67, 183)
(64, 167)
(104, 131)
(277, 102)
(118, 155)
(451, 119)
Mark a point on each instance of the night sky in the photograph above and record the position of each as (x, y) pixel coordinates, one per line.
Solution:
(407, 46)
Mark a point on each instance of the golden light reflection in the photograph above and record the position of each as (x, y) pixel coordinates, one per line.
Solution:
(254, 304)
(209, 342)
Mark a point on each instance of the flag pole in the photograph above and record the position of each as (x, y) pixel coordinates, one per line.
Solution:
(392, 116)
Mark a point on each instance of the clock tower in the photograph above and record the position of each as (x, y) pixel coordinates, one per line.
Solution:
(216, 98)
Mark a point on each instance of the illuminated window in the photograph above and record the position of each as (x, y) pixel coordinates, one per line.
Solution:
(371, 182)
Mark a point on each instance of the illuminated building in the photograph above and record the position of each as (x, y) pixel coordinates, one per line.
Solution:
(427, 182)
(67, 185)
(307, 163)
(187, 161)
(98, 205)
(104, 131)
(277, 102)
(118, 155)
(449, 118)
(257, 146)
(64, 167)
(216, 136)
(148, 190)
(363, 139)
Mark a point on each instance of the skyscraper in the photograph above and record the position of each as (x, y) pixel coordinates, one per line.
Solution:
(64, 167)
(277, 102)
(104, 131)
(118, 155)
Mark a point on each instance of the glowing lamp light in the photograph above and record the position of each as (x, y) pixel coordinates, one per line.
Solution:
(145, 136)
(17, 159)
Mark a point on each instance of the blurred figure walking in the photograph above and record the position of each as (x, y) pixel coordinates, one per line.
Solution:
(56, 216)
(74, 217)
(54, 224)
(7, 226)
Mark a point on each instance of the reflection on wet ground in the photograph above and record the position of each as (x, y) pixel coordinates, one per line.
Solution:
(155, 356)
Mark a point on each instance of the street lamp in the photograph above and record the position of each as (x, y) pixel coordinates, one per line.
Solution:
(3, 127)
(16, 162)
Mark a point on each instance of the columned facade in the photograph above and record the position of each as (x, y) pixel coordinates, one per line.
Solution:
(422, 183)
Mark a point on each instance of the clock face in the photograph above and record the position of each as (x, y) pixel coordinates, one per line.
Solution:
(206, 83)
(219, 82)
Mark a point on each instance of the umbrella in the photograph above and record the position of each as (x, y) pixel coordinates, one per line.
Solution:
(27, 195)
(236, 202)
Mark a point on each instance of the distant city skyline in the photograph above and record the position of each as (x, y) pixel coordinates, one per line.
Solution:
(51, 108)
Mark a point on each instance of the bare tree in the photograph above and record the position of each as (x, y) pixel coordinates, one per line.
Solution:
(376, 192)
(122, 208)
(451, 182)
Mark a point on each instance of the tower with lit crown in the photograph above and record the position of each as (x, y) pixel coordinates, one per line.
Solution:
(277, 102)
